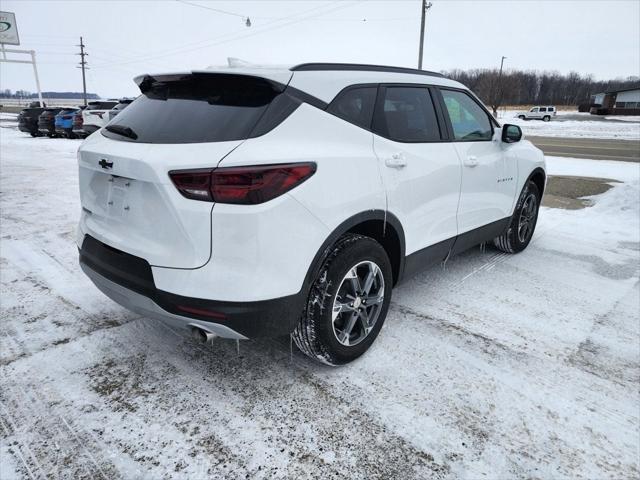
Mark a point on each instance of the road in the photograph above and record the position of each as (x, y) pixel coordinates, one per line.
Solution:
(599, 149)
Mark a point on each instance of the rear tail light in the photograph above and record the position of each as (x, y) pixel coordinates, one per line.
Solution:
(241, 185)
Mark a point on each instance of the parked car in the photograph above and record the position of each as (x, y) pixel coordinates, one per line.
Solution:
(541, 113)
(257, 202)
(96, 115)
(64, 122)
(122, 104)
(28, 121)
(77, 129)
(47, 121)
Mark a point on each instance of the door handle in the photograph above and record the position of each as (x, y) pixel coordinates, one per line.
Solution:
(396, 160)
(471, 162)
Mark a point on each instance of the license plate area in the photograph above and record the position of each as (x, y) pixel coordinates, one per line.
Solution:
(119, 195)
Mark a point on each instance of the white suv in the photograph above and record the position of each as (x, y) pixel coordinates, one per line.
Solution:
(251, 202)
(541, 113)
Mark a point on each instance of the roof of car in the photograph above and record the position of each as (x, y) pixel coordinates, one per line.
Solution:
(354, 67)
(323, 80)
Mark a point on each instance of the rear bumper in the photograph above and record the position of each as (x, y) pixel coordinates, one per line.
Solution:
(145, 306)
(25, 127)
(128, 280)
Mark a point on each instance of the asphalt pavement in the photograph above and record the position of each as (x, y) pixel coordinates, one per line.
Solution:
(598, 149)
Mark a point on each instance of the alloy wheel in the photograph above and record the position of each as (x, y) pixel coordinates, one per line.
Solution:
(358, 303)
(526, 222)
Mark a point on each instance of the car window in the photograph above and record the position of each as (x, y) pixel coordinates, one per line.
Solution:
(194, 109)
(355, 105)
(406, 114)
(534, 109)
(543, 109)
(469, 121)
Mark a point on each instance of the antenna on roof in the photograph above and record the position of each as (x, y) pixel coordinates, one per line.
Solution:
(238, 62)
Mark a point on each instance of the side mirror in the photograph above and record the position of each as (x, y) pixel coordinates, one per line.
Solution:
(511, 133)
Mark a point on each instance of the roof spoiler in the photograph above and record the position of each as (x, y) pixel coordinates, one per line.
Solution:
(146, 81)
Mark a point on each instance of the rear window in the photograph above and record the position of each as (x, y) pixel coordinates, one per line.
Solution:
(407, 115)
(194, 109)
(101, 105)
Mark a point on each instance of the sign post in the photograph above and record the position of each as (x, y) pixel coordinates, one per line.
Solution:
(9, 36)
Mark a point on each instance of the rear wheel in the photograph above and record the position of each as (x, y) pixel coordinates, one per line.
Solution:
(546, 118)
(347, 303)
(523, 221)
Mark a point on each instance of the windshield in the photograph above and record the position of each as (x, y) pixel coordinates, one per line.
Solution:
(194, 109)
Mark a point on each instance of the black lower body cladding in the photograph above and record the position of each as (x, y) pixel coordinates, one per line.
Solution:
(265, 318)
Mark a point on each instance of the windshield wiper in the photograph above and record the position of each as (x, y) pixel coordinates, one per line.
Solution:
(122, 130)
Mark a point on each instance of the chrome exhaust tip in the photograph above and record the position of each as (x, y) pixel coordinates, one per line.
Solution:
(202, 335)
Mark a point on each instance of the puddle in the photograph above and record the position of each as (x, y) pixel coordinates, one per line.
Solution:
(570, 192)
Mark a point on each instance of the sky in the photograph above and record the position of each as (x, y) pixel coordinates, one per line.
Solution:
(127, 38)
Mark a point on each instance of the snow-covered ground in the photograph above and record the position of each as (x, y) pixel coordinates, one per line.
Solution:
(577, 125)
(495, 366)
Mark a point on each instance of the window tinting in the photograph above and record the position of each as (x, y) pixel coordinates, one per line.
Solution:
(355, 105)
(469, 121)
(407, 115)
(194, 109)
(543, 109)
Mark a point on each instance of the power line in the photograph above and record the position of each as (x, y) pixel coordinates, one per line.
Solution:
(212, 9)
(240, 37)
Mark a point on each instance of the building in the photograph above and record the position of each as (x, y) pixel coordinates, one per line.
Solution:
(617, 102)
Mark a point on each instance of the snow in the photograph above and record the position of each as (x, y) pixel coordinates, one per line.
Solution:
(495, 366)
(578, 167)
(576, 125)
(625, 118)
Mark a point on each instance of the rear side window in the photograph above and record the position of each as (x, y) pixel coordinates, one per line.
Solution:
(469, 121)
(543, 109)
(193, 109)
(406, 114)
(355, 105)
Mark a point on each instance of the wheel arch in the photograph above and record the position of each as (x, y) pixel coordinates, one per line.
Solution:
(539, 177)
(384, 227)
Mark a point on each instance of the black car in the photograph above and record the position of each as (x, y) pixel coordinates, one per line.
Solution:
(28, 121)
(47, 121)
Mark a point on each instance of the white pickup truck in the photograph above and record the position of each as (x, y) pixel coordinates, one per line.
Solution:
(96, 115)
(545, 113)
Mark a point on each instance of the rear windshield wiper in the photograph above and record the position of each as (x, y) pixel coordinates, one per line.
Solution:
(122, 130)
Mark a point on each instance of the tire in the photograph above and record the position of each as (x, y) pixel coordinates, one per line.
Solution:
(34, 135)
(546, 118)
(513, 240)
(522, 117)
(326, 337)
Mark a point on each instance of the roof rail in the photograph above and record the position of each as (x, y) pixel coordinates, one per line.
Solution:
(309, 67)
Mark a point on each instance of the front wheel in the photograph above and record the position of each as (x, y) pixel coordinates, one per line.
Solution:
(347, 303)
(523, 221)
(521, 117)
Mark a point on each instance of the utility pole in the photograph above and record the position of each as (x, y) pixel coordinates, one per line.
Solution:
(425, 6)
(500, 85)
(83, 65)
